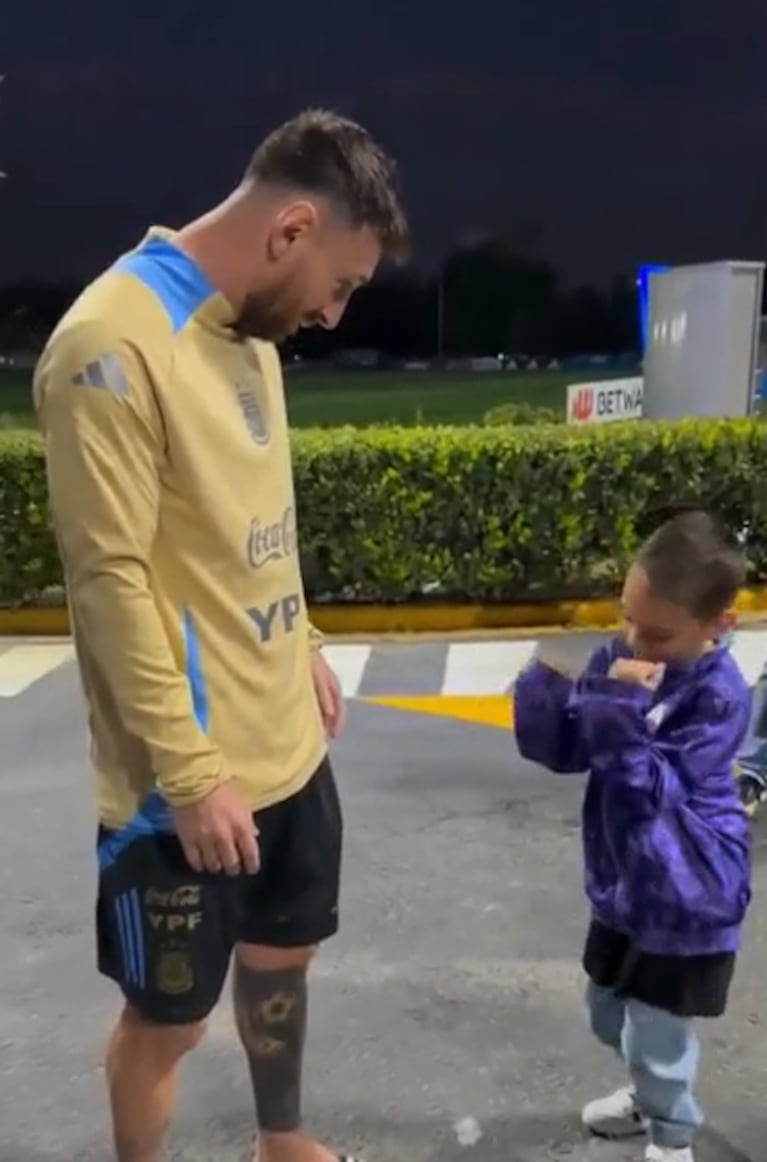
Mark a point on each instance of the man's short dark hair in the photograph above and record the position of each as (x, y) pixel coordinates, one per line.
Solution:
(692, 562)
(320, 153)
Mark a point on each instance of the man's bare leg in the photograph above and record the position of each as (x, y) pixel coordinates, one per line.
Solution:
(141, 1068)
(270, 1011)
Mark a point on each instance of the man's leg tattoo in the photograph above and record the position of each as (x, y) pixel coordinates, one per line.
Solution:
(270, 1010)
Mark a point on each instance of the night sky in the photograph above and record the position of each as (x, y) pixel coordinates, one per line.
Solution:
(625, 132)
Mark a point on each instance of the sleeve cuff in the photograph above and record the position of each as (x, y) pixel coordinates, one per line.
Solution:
(192, 790)
(550, 676)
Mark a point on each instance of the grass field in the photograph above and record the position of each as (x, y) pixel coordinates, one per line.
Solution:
(333, 398)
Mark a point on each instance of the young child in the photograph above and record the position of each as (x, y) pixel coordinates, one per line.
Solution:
(657, 719)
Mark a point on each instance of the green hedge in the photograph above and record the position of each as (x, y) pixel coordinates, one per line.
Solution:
(481, 513)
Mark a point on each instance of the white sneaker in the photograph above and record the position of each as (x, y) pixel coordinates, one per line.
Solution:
(615, 1116)
(668, 1154)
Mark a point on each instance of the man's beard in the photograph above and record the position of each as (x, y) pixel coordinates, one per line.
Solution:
(264, 317)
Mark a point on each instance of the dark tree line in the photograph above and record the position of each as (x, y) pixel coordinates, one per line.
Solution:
(484, 300)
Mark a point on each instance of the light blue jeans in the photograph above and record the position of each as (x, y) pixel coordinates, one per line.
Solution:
(661, 1053)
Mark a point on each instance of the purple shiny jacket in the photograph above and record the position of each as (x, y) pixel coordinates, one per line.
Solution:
(666, 843)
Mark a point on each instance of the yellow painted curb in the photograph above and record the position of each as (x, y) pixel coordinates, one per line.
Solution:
(480, 709)
(43, 622)
(437, 618)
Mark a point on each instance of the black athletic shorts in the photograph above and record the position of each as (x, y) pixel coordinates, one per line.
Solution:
(166, 933)
(687, 986)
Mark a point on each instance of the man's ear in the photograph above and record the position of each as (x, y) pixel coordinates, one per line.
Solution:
(292, 224)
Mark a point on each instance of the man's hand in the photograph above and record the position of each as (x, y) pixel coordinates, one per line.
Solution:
(647, 674)
(218, 833)
(329, 695)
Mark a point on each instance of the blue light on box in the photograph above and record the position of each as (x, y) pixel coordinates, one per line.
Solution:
(760, 386)
(643, 291)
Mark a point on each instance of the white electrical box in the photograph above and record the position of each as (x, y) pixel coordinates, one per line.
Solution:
(702, 344)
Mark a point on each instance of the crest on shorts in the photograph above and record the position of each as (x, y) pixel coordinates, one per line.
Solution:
(174, 975)
(253, 413)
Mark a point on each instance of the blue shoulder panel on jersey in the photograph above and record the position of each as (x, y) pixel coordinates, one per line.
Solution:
(171, 275)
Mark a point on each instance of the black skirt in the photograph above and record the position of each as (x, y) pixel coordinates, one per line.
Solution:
(687, 986)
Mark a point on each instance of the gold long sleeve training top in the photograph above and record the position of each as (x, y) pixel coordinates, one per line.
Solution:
(172, 492)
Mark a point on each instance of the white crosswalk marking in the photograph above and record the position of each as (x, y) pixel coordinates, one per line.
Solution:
(749, 649)
(484, 667)
(348, 661)
(475, 668)
(22, 665)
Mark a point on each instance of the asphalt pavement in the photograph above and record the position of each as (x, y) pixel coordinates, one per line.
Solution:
(446, 1018)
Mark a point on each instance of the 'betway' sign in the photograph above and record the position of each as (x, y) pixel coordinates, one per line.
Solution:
(603, 402)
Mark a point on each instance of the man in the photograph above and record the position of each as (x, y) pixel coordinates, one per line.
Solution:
(161, 402)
